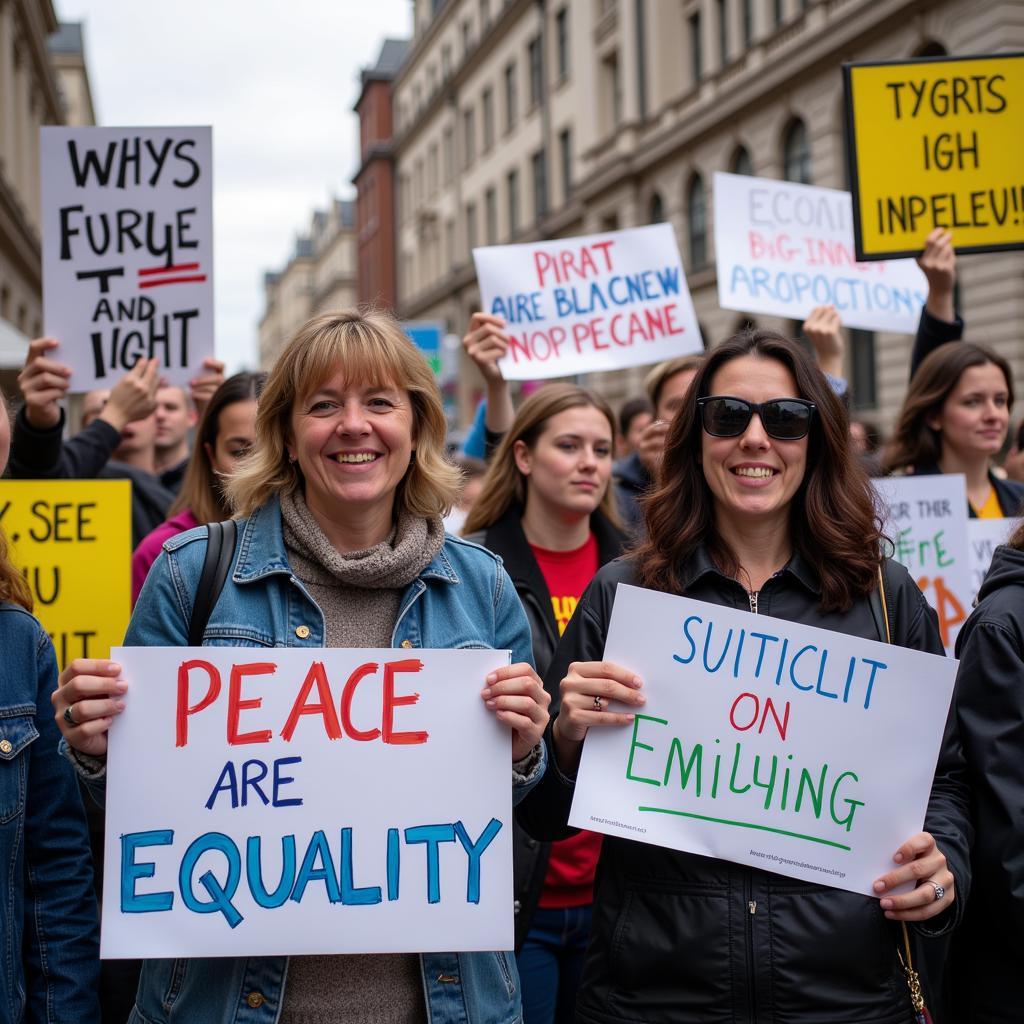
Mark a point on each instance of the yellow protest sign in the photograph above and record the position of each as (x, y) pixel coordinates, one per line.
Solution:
(934, 143)
(73, 541)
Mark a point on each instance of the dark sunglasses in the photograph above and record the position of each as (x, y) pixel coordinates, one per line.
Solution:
(785, 419)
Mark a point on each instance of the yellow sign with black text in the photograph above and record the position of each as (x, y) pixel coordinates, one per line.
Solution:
(73, 541)
(936, 142)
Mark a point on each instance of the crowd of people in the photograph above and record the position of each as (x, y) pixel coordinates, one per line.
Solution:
(738, 479)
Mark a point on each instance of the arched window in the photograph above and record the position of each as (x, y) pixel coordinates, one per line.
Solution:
(656, 213)
(741, 162)
(696, 206)
(796, 153)
(930, 49)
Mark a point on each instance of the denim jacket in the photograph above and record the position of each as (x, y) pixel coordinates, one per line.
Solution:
(49, 970)
(463, 598)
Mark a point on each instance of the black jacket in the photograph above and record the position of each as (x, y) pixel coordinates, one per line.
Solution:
(1009, 493)
(506, 539)
(932, 333)
(632, 481)
(987, 970)
(674, 938)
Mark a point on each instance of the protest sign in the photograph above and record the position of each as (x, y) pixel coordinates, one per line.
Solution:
(274, 802)
(598, 302)
(128, 249)
(984, 536)
(73, 541)
(926, 519)
(765, 742)
(935, 143)
(783, 248)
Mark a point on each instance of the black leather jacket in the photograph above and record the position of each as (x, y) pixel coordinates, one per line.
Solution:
(682, 938)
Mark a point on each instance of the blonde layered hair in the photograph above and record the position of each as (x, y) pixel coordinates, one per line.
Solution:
(371, 349)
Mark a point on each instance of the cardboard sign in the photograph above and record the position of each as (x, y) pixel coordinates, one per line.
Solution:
(128, 250)
(765, 742)
(598, 302)
(926, 520)
(783, 249)
(935, 143)
(265, 802)
(73, 541)
(984, 536)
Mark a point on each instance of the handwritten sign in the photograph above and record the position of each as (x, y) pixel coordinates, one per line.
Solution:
(984, 536)
(128, 249)
(783, 249)
(936, 143)
(598, 302)
(72, 541)
(765, 742)
(926, 520)
(273, 802)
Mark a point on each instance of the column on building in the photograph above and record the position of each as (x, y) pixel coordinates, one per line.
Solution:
(8, 144)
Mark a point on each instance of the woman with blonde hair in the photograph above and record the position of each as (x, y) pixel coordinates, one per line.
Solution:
(341, 505)
(548, 509)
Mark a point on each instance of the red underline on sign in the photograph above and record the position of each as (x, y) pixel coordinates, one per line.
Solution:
(167, 270)
(747, 824)
(171, 280)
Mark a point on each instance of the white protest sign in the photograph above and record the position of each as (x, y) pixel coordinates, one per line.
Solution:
(926, 519)
(984, 536)
(765, 742)
(128, 249)
(597, 302)
(277, 802)
(783, 248)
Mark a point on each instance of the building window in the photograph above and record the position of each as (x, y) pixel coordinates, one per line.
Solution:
(432, 169)
(696, 49)
(723, 33)
(777, 13)
(446, 62)
(565, 155)
(471, 236)
(748, 23)
(491, 215)
(741, 162)
(539, 165)
(449, 243)
(864, 384)
(696, 206)
(488, 108)
(468, 137)
(612, 89)
(562, 43)
(796, 153)
(448, 145)
(485, 14)
(536, 64)
(656, 212)
(467, 37)
(511, 97)
(513, 203)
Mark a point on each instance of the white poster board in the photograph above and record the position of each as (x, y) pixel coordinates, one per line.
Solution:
(128, 250)
(597, 302)
(926, 519)
(765, 742)
(277, 802)
(783, 248)
(984, 536)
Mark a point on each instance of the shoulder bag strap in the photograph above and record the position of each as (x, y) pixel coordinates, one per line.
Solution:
(220, 551)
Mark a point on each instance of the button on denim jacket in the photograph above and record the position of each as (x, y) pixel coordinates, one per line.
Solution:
(462, 599)
(49, 960)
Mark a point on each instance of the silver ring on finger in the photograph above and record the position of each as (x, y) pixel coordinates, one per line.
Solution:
(68, 716)
(598, 706)
(940, 890)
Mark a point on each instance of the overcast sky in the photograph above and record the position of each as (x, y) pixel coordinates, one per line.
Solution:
(277, 81)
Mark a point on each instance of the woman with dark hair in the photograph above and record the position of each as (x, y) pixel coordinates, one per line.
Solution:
(226, 433)
(760, 505)
(547, 508)
(954, 420)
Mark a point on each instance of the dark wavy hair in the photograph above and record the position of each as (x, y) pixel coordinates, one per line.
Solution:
(834, 524)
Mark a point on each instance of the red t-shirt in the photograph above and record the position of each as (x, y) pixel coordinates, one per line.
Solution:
(569, 881)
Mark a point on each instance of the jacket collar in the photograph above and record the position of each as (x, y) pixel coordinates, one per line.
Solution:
(262, 552)
(701, 563)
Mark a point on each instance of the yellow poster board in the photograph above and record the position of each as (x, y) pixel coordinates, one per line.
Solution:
(936, 142)
(73, 541)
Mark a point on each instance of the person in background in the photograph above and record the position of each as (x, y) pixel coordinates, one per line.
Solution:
(954, 419)
(547, 509)
(635, 416)
(940, 322)
(473, 471)
(1013, 464)
(176, 416)
(866, 440)
(486, 343)
(48, 926)
(226, 435)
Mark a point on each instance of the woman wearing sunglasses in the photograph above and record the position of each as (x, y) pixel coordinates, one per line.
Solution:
(760, 506)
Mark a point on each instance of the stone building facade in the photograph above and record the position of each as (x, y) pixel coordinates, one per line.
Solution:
(525, 119)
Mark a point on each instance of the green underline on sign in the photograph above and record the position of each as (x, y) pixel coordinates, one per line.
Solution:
(746, 824)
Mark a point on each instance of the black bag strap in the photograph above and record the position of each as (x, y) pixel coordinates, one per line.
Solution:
(220, 552)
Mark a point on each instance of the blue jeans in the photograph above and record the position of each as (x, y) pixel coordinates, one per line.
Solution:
(550, 963)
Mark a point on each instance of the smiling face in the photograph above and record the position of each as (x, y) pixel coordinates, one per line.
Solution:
(975, 417)
(568, 468)
(753, 477)
(353, 443)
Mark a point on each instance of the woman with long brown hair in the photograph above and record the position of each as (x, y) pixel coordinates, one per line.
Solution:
(760, 505)
(954, 420)
(547, 508)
